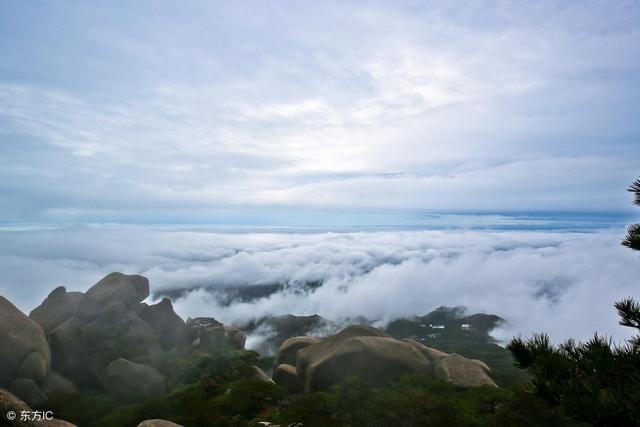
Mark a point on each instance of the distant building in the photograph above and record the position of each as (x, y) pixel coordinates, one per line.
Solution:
(465, 326)
(436, 326)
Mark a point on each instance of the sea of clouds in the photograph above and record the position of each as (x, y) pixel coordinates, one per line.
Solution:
(563, 283)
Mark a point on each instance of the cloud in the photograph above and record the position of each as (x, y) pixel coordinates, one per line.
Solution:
(561, 283)
(387, 105)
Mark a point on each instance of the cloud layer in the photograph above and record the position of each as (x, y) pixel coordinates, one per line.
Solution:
(166, 111)
(561, 283)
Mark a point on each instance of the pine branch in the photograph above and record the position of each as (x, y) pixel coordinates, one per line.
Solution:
(632, 239)
(635, 188)
(629, 311)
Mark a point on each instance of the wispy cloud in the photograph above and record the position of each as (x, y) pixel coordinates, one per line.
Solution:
(390, 105)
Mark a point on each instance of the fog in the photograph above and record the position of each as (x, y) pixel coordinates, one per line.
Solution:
(561, 283)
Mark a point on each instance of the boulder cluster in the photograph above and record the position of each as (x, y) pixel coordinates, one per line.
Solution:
(104, 339)
(306, 364)
(108, 340)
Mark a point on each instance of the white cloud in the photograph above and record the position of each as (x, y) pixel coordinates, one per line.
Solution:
(561, 283)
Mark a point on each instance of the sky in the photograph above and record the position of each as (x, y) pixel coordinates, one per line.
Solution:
(228, 112)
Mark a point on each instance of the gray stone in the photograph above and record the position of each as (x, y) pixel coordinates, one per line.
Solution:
(67, 349)
(211, 334)
(288, 351)
(430, 353)
(19, 336)
(115, 287)
(170, 328)
(28, 391)
(463, 372)
(377, 360)
(260, 375)
(287, 377)
(59, 306)
(10, 402)
(126, 380)
(34, 366)
(55, 384)
(158, 423)
(306, 354)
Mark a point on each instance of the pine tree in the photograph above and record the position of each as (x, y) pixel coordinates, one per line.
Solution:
(632, 240)
(595, 382)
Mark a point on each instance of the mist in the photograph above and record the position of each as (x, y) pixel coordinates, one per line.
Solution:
(562, 283)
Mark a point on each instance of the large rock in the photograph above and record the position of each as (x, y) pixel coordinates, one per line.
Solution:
(11, 403)
(430, 353)
(463, 372)
(55, 384)
(374, 357)
(34, 366)
(158, 423)
(106, 324)
(260, 375)
(114, 288)
(325, 346)
(170, 327)
(288, 351)
(28, 391)
(127, 380)
(211, 334)
(19, 337)
(67, 350)
(287, 377)
(116, 332)
(59, 306)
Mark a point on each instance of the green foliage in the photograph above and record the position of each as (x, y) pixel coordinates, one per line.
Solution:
(235, 404)
(413, 400)
(182, 368)
(629, 312)
(632, 239)
(417, 400)
(212, 389)
(81, 409)
(596, 381)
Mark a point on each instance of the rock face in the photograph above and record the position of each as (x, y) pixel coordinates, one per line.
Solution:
(170, 328)
(67, 349)
(158, 423)
(34, 366)
(260, 375)
(115, 288)
(29, 391)
(306, 355)
(129, 380)
(10, 402)
(463, 372)
(287, 377)
(209, 334)
(55, 384)
(372, 355)
(59, 306)
(24, 353)
(106, 338)
(275, 330)
(288, 351)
